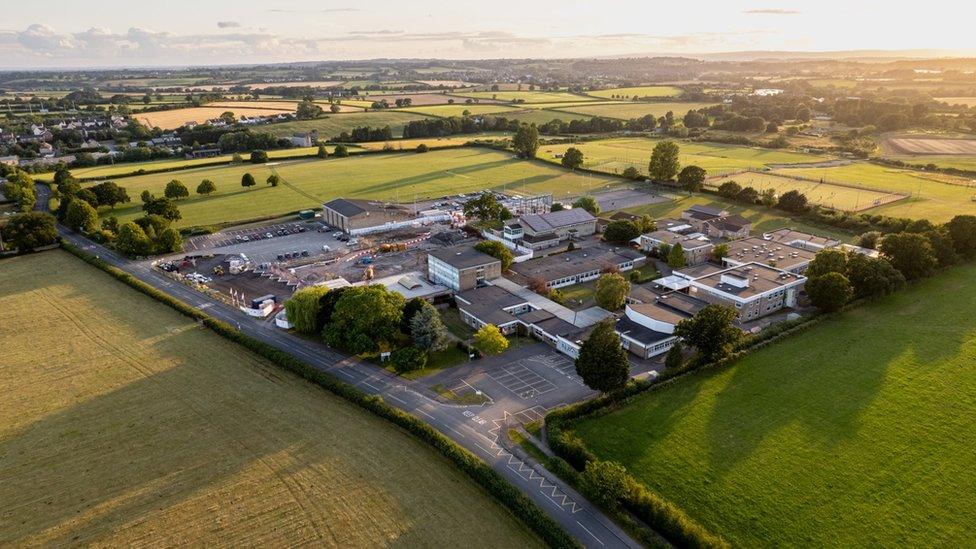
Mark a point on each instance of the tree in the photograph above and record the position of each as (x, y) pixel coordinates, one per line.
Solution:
(489, 340)
(273, 180)
(768, 197)
(526, 141)
(749, 195)
(692, 178)
(109, 194)
(730, 189)
(720, 252)
(602, 362)
(247, 180)
(792, 201)
(334, 108)
(162, 207)
(308, 110)
(485, 207)
(621, 231)
(674, 359)
(28, 231)
(829, 292)
(873, 276)
(962, 229)
(427, 329)
(911, 254)
(259, 157)
(175, 190)
(322, 152)
(611, 291)
(497, 250)
(556, 207)
(632, 173)
(943, 247)
(206, 187)
(110, 224)
(422, 148)
(712, 332)
(132, 240)
(676, 256)
(828, 260)
(588, 203)
(366, 319)
(604, 482)
(341, 151)
(409, 311)
(169, 241)
(327, 306)
(572, 158)
(408, 359)
(303, 309)
(664, 161)
(869, 239)
(146, 197)
(81, 216)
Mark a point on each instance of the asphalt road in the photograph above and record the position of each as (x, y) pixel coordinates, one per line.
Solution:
(480, 429)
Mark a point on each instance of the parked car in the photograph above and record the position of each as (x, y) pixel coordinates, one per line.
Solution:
(268, 235)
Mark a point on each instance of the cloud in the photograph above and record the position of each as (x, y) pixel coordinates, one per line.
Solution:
(228, 24)
(327, 10)
(771, 11)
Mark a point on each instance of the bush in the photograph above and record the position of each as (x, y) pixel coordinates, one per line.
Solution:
(408, 359)
(259, 157)
(604, 482)
(474, 467)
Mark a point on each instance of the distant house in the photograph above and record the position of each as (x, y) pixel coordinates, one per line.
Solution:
(717, 223)
(304, 139)
(697, 248)
(9, 160)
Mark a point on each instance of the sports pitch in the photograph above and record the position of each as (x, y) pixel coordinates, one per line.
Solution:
(124, 423)
(838, 197)
(395, 177)
(856, 432)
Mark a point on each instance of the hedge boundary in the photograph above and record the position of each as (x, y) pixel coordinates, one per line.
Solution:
(479, 471)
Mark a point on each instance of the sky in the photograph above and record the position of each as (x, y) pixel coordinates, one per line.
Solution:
(105, 33)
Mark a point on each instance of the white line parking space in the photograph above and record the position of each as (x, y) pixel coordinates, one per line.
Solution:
(520, 380)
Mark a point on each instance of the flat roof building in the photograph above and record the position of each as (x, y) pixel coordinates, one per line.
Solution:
(577, 266)
(461, 268)
(753, 289)
(356, 216)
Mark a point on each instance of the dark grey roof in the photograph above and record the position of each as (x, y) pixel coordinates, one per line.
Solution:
(554, 220)
(731, 222)
(643, 334)
(559, 327)
(578, 261)
(463, 257)
(708, 210)
(344, 207)
(488, 304)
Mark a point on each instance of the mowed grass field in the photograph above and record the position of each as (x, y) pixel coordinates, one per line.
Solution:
(124, 423)
(626, 110)
(825, 194)
(616, 155)
(959, 162)
(172, 119)
(857, 432)
(936, 197)
(763, 219)
(432, 142)
(638, 91)
(331, 125)
(113, 170)
(457, 109)
(309, 183)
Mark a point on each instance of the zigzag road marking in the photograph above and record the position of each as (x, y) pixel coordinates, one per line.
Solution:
(556, 495)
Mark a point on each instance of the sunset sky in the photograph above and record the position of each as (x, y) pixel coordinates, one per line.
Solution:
(63, 33)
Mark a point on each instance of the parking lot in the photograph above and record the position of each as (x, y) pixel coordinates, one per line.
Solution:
(286, 241)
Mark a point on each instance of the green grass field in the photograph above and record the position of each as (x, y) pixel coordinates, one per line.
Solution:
(932, 198)
(626, 110)
(309, 183)
(124, 423)
(525, 96)
(959, 162)
(333, 124)
(113, 170)
(541, 116)
(457, 109)
(833, 196)
(638, 91)
(616, 155)
(763, 219)
(857, 432)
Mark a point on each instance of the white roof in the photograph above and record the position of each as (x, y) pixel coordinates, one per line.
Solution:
(673, 282)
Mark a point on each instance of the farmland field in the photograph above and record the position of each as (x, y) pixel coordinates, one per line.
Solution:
(125, 423)
(833, 196)
(458, 109)
(936, 197)
(541, 116)
(616, 155)
(526, 96)
(288, 106)
(856, 432)
(417, 99)
(172, 119)
(298, 84)
(627, 110)
(639, 92)
(309, 183)
(959, 162)
(432, 142)
(922, 145)
(968, 101)
(332, 125)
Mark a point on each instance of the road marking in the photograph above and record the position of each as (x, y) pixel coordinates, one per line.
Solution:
(419, 411)
(455, 431)
(400, 400)
(371, 386)
(590, 533)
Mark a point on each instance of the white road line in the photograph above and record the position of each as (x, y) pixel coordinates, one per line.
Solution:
(455, 431)
(590, 533)
(419, 411)
(400, 400)
(371, 386)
